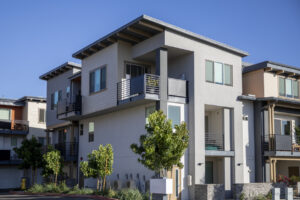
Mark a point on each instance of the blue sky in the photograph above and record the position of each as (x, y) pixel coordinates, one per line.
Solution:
(36, 36)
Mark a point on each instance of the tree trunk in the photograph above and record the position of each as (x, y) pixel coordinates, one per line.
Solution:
(32, 177)
(55, 179)
(104, 181)
(98, 184)
(35, 174)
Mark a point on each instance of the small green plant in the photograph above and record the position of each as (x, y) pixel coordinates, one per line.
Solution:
(129, 194)
(52, 163)
(36, 188)
(77, 190)
(242, 196)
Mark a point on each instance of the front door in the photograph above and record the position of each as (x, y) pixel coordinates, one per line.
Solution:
(209, 178)
(175, 174)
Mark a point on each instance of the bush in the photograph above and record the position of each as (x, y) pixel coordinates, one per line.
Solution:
(36, 188)
(129, 194)
(77, 190)
(63, 188)
(52, 188)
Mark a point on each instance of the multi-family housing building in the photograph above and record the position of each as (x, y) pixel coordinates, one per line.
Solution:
(271, 99)
(19, 119)
(64, 99)
(143, 66)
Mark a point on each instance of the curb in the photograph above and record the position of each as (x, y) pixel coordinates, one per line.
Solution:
(63, 195)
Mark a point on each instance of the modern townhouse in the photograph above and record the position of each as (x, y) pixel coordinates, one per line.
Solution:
(272, 105)
(19, 119)
(63, 90)
(146, 65)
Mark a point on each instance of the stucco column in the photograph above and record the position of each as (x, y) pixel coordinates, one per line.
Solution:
(161, 67)
(227, 129)
(227, 174)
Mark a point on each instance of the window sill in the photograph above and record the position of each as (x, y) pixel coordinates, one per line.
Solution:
(98, 92)
(219, 83)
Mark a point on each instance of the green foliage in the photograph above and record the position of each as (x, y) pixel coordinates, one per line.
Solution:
(295, 179)
(161, 147)
(99, 164)
(36, 188)
(129, 194)
(242, 196)
(31, 154)
(77, 190)
(52, 162)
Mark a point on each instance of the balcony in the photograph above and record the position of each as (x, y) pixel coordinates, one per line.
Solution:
(17, 127)
(281, 143)
(68, 150)
(214, 142)
(147, 87)
(68, 110)
(8, 158)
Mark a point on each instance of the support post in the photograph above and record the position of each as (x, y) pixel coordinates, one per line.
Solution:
(162, 70)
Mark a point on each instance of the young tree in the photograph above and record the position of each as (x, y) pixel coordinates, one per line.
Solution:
(161, 147)
(52, 163)
(99, 164)
(31, 154)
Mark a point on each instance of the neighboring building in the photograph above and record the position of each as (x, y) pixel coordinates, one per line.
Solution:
(63, 88)
(19, 119)
(272, 104)
(146, 65)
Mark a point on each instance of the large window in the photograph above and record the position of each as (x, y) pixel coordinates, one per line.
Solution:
(91, 131)
(282, 127)
(42, 115)
(219, 73)
(4, 114)
(288, 87)
(174, 115)
(134, 70)
(98, 80)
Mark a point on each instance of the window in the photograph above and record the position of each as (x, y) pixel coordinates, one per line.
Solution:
(174, 115)
(177, 182)
(59, 95)
(288, 87)
(81, 129)
(91, 131)
(4, 114)
(42, 115)
(68, 92)
(41, 140)
(149, 110)
(98, 80)
(135, 70)
(219, 73)
(282, 127)
(13, 141)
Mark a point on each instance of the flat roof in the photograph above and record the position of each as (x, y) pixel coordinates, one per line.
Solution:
(143, 28)
(273, 99)
(272, 66)
(21, 101)
(59, 70)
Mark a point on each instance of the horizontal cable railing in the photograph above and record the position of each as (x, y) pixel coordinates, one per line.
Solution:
(214, 141)
(66, 106)
(144, 84)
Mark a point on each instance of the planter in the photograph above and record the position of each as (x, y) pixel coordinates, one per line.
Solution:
(161, 186)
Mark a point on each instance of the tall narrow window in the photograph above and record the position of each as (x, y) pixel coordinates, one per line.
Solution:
(218, 73)
(98, 80)
(55, 98)
(91, 131)
(5, 114)
(295, 89)
(81, 129)
(13, 141)
(288, 87)
(42, 115)
(68, 92)
(174, 114)
(209, 71)
(281, 86)
(177, 182)
(52, 101)
(227, 74)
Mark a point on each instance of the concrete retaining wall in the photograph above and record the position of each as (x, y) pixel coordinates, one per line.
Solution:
(210, 191)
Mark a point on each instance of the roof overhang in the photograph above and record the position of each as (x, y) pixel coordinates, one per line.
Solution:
(269, 99)
(59, 70)
(274, 67)
(143, 28)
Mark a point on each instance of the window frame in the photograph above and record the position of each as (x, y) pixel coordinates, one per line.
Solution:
(285, 89)
(39, 111)
(93, 71)
(143, 65)
(223, 73)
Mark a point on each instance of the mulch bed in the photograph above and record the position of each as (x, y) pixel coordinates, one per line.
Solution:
(63, 195)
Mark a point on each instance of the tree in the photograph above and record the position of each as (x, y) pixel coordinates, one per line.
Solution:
(31, 154)
(161, 147)
(99, 164)
(52, 163)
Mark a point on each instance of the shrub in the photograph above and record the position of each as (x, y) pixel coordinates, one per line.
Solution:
(36, 188)
(77, 190)
(146, 196)
(129, 194)
(63, 188)
(51, 187)
(242, 196)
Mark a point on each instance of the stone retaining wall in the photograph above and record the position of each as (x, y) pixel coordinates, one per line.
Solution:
(251, 190)
(210, 191)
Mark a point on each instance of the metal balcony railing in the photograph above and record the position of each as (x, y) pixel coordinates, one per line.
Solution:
(281, 142)
(130, 88)
(14, 125)
(66, 106)
(214, 141)
(68, 150)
